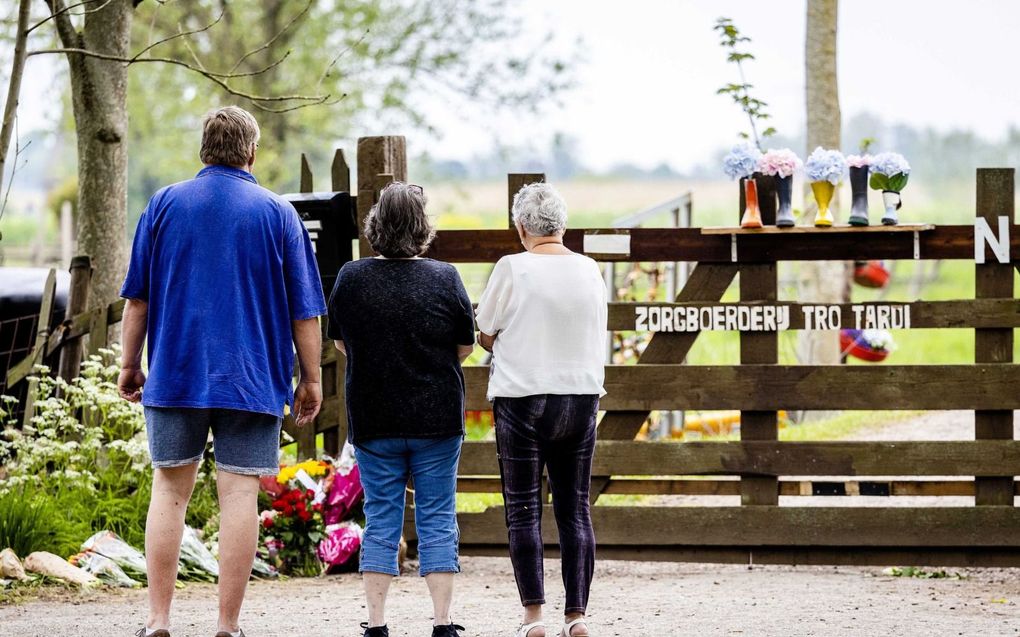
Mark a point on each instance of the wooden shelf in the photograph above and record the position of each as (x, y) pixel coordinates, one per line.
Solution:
(839, 228)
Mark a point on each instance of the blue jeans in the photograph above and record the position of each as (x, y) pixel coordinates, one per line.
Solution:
(385, 465)
(244, 442)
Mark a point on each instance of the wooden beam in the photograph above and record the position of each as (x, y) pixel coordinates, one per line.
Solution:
(784, 527)
(38, 348)
(340, 172)
(769, 458)
(637, 388)
(851, 556)
(384, 155)
(995, 197)
(983, 313)
(689, 244)
(787, 487)
(77, 300)
(306, 176)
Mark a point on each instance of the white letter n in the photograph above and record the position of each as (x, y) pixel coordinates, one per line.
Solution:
(983, 236)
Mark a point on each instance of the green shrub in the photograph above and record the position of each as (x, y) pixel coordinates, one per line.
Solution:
(29, 523)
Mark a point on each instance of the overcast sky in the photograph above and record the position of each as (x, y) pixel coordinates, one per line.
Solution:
(646, 89)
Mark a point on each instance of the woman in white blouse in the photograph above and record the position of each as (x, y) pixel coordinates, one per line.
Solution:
(543, 316)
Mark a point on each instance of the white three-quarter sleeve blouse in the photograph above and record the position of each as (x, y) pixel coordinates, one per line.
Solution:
(548, 312)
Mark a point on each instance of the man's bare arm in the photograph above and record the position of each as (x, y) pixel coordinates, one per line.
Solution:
(486, 341)
(132, 338)
(308, 395)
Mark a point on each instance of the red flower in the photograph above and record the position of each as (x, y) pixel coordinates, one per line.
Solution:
(304, 515)
(279, 505)
(317, 506)
(309, 494)
(267, 523)
(287, 510)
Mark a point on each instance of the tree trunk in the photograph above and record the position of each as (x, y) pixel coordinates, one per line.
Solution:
(14, 87)
(99, 101)
(821, 281)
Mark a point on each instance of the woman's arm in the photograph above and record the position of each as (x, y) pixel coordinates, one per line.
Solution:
(486, 341)
(463, 351)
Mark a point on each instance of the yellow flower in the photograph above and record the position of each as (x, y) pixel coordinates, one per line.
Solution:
(313, 468)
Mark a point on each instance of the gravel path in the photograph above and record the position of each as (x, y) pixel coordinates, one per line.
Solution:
(632, 599)
(628, 599)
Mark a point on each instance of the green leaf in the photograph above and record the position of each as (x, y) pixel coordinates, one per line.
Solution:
(898, 181)
(878, 181)
(768, 132)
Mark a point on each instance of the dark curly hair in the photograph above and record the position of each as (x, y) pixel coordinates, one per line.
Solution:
(397, 226)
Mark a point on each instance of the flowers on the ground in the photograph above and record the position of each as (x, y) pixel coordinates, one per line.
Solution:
(825, 165)
(889, 172)
(781, 162)
(741, 161)
(303, 510)
(313, 468)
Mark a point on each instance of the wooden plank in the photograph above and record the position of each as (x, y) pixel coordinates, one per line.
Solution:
(688, 244)
(640, 388)
(731, 487)
(514, 182)
(784, 527)
(993, 312)
(856, 556)
(38, 348)
(706, 283)
(903, 227)
(759, 283)
(995, 197)
(77, 300)
(384, 155)
(99, 330)
(306, 176)
(771, 458)
(340, 172)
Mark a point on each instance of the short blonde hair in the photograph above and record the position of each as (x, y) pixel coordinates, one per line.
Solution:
(228, 134)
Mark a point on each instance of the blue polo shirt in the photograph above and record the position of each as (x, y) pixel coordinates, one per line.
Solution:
(225, 266)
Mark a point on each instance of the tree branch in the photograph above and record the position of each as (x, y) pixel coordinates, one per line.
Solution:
(179, 34)
(13, 93)
(269, 42)
(65, 28)
(67, 10)
(217, 78)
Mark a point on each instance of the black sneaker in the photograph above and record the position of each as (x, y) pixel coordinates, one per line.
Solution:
(447, 630)
(375, 631)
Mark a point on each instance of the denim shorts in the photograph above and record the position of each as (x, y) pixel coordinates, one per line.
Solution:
(386, 464)
(244, 442)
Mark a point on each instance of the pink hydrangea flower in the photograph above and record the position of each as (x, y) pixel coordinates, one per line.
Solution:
(858, 161)
(779, 163)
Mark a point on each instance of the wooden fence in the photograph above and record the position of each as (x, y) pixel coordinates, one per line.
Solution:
(758, 468)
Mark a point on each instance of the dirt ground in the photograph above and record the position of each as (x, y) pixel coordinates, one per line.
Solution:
(628, 599)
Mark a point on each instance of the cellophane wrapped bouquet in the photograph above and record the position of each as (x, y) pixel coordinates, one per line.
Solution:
(310, 516)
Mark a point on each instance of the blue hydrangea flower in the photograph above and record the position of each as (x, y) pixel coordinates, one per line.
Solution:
(825, 165)
(742, 161)
(889, 164)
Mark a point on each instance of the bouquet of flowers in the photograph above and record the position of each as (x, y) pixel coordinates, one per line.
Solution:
(303, 508)
(824, 169)
(740, 163)
(889, 173)
(781, 164)
(868, 345)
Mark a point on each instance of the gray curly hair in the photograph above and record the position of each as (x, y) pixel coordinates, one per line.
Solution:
(540, 210)
(397, 226)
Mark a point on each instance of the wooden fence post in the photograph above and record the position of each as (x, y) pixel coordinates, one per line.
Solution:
(516, 181)
(42, 332)
(758, 282)
(77, 301)
(992, 279)
(340, 172)
(306, 176)
(385, 155)
(333, 373)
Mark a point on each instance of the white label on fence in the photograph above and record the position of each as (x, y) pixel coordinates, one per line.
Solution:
(983, 235)
(607, 243)
(766, 318)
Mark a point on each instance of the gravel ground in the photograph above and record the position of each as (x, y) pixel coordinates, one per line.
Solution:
(628, 599)
(632, 599)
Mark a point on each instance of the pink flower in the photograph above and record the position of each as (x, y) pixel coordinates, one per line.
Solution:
(779, 163)
(858, 161)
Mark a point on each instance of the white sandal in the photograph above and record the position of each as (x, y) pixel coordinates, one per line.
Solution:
(527, 628)
(568, 627)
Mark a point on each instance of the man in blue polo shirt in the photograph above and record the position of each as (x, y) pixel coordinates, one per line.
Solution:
(223, 282)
